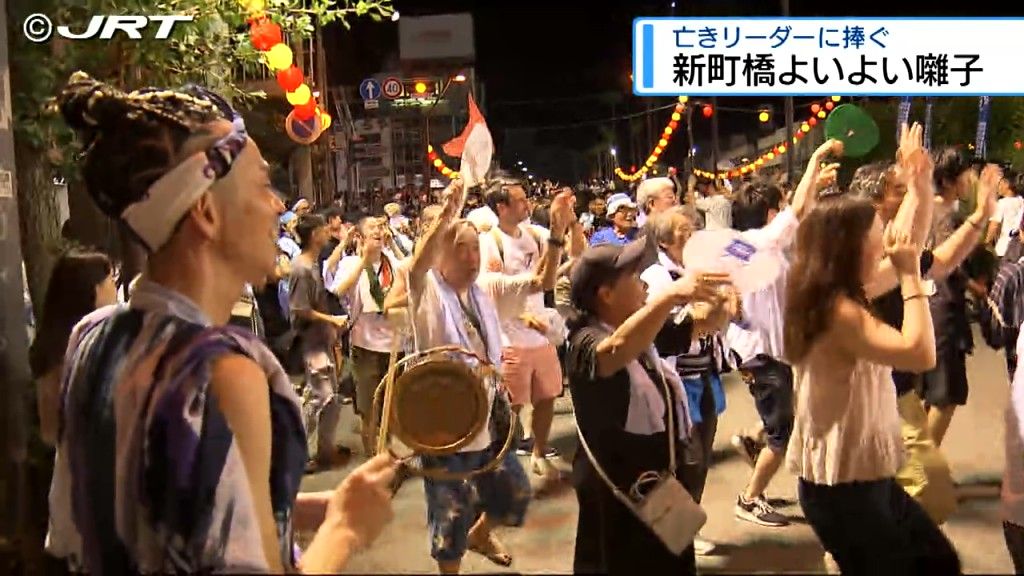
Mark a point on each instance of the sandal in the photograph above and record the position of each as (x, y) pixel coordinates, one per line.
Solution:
(493, 550)
(339, 457)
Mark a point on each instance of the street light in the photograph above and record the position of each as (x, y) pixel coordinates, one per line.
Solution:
(395, 16)
(524, 169)
(614, 151)
(520, 163)
(460, 77)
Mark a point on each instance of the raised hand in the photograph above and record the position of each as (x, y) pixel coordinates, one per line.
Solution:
(826, 176)
(988, 189)
(361, 504)
(562, 212)
(904, 254)
(699, 287)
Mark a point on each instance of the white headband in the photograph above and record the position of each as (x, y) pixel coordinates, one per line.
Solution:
(154, 217)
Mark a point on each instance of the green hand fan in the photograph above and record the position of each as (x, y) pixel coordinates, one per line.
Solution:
(854, 128)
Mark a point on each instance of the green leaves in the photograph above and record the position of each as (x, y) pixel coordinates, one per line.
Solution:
(214, 49)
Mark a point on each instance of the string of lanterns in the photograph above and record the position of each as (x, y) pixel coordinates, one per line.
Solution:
(659, 147)
(819, 111)
(439, 164)
(266, 36)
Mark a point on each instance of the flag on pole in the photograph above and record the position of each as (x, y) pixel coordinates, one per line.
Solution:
(474, 145)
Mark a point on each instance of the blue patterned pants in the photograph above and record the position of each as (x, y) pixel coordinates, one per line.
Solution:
(454, 507)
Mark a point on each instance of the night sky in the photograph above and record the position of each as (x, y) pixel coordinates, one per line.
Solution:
(549, 63)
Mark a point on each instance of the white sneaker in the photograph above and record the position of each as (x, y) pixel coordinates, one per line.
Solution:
(702, 547)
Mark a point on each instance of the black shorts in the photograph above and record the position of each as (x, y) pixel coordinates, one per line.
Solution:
(771, 385)
(946, 384)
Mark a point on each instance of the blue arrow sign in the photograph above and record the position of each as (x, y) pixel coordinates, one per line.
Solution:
(369, 89)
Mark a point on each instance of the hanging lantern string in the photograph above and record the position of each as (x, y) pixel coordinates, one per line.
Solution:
(819, 111)
(663, 141)
(267, 37)
(438, 163)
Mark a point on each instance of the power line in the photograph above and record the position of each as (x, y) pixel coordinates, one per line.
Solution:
(592, 122)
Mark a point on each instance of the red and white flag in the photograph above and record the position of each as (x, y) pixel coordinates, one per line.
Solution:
(474, 145)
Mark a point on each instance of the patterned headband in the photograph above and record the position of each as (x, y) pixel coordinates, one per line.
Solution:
(154, 217)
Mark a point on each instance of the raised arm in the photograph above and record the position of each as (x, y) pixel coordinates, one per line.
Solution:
(807, 191)
(864, 336)
(637, 333)
(955, 249)
(429, 246)
(915, 168)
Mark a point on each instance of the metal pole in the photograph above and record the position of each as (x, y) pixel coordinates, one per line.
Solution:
(714, 138)
(15, 379)
(789, 119)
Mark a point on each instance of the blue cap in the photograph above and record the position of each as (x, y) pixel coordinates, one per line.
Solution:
(616, 201)
(287, 217)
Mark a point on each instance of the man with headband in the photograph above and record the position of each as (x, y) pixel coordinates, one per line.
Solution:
(181, 445)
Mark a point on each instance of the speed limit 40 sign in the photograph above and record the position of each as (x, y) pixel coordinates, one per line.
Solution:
(392, 88)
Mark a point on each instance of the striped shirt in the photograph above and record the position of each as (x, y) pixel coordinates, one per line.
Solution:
(148, 476)
(1003, 313)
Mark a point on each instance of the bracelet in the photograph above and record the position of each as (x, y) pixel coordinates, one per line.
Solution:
(557, 243)
(913, 296)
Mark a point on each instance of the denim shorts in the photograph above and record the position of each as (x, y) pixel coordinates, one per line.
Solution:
(454, 506)
(771, 385)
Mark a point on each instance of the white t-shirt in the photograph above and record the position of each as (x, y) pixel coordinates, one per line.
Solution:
(520, 258)
(1008, 213)
(717, 212)
(762, 329)
(426, 313)
(372, 329)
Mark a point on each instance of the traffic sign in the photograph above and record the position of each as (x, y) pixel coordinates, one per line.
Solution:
(369, 89)
(392, 88)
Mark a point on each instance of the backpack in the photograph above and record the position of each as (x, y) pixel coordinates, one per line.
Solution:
(549, 295)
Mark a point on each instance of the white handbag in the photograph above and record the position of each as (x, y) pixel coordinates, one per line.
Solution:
(658, 499)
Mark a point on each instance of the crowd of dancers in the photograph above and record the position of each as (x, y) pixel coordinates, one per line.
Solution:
(181, 442)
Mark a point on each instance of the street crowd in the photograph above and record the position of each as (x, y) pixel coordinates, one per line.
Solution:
(184, 417)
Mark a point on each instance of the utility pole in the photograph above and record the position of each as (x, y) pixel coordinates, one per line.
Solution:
(789, 119)
(15, 379)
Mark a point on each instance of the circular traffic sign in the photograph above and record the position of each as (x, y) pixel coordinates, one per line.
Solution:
(392, 88)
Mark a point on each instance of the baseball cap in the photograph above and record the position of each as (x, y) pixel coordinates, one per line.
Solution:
(287, 217)
(616, 201)
(604, 263)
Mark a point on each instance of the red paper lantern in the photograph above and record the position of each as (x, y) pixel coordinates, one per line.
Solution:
(829, 105)
(307, 110)
(265, 35)
(799, 134)
(290, 78)
(632, 168)
(812, 121)
(708, 111)
(673, 124)
(1017, 145)
(815, 108)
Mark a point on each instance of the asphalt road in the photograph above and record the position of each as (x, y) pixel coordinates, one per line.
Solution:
(545, 544)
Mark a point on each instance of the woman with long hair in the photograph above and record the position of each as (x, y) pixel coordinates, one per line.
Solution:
(846, 445)
(81, 282)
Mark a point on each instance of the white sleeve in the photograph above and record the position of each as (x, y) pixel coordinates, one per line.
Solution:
(1001, 208)
(347, 265)
(657, 279)
(779, 233)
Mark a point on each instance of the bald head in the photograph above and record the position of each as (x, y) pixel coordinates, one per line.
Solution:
(655, 195)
